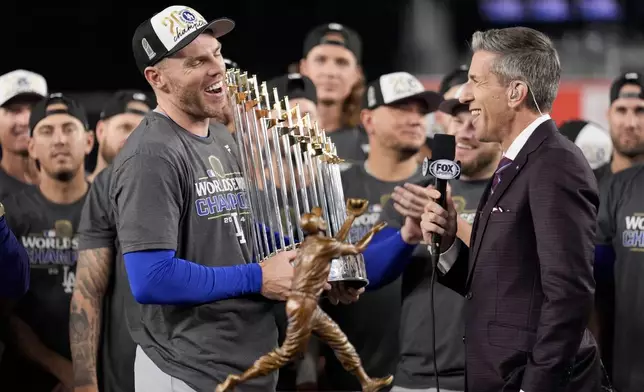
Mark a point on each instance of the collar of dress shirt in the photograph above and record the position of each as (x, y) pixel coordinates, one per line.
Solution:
(523, 137)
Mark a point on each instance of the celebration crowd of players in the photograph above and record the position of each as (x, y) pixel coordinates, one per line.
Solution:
(81, 313)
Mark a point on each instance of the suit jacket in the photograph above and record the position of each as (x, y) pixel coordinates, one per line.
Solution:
(528, 274)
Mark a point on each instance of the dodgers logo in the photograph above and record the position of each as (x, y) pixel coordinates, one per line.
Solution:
(187, 16)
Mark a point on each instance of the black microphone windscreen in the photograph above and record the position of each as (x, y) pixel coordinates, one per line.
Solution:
(444, 147)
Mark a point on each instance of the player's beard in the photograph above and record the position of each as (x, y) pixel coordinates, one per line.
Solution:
(108, 153)
(482, 161)
(192, 102)
(629, 152)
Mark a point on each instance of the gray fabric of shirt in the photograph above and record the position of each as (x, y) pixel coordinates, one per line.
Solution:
(174, 190)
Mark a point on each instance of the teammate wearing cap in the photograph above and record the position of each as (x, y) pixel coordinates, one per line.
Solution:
(121, 114)
(102, 292)
(19, 90)
(626, 124)
(415, 368)
(393, 115)
(45, 219)
(332, 56)
(620, 245)
(181, 213)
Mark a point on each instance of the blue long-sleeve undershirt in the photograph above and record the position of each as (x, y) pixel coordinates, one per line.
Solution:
(158, 277)
(604, 263)
(386, 257)
(14, 264)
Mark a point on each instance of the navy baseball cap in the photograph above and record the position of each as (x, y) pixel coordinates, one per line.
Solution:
(633, 78)
(119, 103)
(41, 110)
(396, 87)
(171, 30)
(294, 85)
(327, 34)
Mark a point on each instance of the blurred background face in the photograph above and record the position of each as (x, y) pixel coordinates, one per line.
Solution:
(626, 121)
(306, 107)
(14, 126)
(399, 127)
(443, 119)
(473, 154)
(333, 70)
(114, 131)
(60, 143)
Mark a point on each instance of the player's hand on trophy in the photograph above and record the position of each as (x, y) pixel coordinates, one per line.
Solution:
(277, 275)
(438, 220)
(341, 293)
(357, 207)
(410, 199)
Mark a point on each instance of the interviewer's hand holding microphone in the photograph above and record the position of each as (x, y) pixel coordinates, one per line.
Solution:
(424, 216)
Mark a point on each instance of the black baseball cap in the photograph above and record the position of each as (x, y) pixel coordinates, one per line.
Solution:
(454, 78)
(326, 34)
(397, 87)
(120, 101)
(73, 108)
(171, 30)
(627, 78)
(454, 106)
(294, 86)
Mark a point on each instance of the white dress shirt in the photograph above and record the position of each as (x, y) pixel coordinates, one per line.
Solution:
(448, 258)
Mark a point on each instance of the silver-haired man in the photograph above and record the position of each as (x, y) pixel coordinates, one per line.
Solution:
(527, 275)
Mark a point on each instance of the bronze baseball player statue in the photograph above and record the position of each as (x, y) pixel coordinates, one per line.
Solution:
(312, 266)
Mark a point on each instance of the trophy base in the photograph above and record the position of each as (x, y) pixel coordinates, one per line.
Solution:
(349, 270)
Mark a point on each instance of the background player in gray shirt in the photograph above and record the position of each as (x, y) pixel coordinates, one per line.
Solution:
(102, 292)
(393, 115)
(182, 217)
(415, 369)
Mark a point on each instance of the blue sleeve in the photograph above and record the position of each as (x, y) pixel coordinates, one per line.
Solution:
(157, 277)
(387, 258)
(14, 264)
(604, 263)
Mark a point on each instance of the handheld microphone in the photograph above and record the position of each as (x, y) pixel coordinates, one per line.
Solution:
(443, 168)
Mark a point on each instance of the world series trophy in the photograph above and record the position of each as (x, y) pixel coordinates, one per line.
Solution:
(295, 193)
(290, 167)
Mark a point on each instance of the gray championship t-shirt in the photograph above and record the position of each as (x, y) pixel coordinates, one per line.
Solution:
(352, 145)
(174, 190)
(97, 229)
(621, 225)
(10, 185)
(372, 323)
(48, 231)
(416, 367)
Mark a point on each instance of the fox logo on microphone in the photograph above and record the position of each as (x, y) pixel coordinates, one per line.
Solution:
(443, 169)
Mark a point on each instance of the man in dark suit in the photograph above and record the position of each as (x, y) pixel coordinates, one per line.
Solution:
(528, 273)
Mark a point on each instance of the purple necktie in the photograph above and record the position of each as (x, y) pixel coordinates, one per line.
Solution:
(504, 164)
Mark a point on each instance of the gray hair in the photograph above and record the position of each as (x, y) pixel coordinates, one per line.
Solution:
(526, 55)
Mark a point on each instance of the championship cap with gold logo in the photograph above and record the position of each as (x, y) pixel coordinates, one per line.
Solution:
(171, 30)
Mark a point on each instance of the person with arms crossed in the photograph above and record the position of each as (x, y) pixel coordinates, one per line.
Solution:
(393, 115)
(183, 224)
(620, 242)
(527, 275)
(120, 115)
(101, 346)
(415, 368)
(45, 218)
(19, 91)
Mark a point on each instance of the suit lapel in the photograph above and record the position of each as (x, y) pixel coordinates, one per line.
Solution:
(488, 202)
